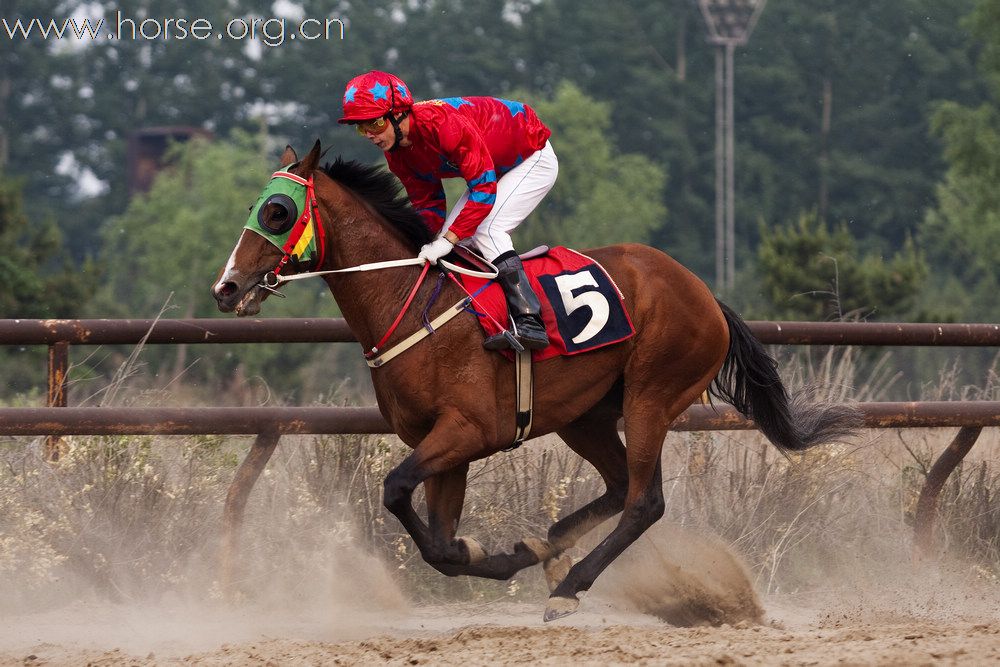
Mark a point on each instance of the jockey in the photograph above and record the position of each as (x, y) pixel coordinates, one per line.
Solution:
(499, 147)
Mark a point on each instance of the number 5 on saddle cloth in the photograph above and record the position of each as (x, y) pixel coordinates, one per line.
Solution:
(582, 308)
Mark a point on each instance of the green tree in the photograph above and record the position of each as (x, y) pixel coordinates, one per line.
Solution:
(962, 232)
(42, 281)
(645, 60)
(167, 249)
(873, 69)
(810, 272)
(836, 101)
(173, 239)
(601, 196)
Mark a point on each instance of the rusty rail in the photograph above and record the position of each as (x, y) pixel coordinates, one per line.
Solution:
(306, 420)
(894, 334)
(335, 330)
(58, 420)
(203, 330)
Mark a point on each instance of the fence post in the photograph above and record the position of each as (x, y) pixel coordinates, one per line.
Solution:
(236, 501)
(58, 367)
(927, 502)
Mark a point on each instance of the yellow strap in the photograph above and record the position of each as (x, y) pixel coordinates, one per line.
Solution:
(418, 335)
(525, 391)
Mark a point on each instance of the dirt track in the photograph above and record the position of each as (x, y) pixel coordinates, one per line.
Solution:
(490, 645)
(926, 615)
(507, 634)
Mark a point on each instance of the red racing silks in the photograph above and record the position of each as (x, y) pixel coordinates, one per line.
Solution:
(478, 139)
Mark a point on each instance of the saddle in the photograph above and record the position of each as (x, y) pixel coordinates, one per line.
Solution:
(582, 308)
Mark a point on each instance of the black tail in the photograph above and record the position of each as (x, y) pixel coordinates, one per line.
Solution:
(749, 381)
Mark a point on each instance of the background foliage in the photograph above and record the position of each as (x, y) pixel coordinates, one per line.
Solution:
(868, 141)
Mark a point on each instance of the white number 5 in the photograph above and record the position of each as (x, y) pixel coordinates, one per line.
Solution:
(598, 304)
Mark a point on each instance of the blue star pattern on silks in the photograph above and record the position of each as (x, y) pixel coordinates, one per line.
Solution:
(401, 89)
(512, 106)
(379, 91)
(456, 101)
(349, 94)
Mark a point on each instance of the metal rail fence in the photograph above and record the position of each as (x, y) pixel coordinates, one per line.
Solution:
(269, 423)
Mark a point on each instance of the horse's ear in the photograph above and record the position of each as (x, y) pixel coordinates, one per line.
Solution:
(311, 161)
(288, 157)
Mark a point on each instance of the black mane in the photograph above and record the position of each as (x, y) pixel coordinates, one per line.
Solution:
(382, 190)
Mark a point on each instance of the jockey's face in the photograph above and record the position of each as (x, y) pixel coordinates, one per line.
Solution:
(385, 137)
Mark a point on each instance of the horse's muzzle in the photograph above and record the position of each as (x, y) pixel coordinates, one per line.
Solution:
(229, 297)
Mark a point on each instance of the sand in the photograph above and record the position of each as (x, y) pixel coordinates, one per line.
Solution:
(681, 598)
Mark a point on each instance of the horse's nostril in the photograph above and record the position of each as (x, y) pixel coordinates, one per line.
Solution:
(228, 289)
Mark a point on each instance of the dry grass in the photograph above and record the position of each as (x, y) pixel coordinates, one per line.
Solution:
(138, 517)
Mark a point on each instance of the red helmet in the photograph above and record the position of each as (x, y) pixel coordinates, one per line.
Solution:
(373, 95)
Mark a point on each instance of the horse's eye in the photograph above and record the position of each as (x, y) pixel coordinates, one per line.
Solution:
(278, 214)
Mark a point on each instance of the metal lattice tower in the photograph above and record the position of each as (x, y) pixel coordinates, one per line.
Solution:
(728, 24)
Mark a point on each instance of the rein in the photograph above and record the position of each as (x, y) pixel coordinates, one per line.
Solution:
(272, 280)
(297, 237)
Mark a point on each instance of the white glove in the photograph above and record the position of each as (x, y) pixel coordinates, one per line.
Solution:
(436, 249)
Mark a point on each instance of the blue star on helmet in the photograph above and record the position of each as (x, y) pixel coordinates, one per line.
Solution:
(513, 107)
(349, 94)
(456, 102)
(401, 89)
(379, 91)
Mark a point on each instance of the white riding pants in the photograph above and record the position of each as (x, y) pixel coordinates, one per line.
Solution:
(518, 193)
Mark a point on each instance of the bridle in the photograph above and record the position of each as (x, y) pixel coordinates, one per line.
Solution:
(298, 242)
(291, 249)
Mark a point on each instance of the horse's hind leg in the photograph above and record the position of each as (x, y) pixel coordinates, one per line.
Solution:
(647, 421)
(597, 441)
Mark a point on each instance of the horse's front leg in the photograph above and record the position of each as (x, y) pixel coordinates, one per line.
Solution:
(441, 463)
(445, 494)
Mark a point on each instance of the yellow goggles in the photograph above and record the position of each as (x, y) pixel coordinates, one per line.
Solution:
(376, 126)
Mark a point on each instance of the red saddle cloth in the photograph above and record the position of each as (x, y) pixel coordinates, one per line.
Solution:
(582, 308)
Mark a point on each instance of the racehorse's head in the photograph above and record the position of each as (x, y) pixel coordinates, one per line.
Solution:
(282, 233)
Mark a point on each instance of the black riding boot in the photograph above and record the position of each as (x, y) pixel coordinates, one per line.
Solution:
(523, 306)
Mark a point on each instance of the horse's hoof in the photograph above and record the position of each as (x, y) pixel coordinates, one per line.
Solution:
(556, 570)
(559, 607)
(542, 550)
(473, 549)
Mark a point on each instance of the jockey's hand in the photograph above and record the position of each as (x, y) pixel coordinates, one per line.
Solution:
(436, 249)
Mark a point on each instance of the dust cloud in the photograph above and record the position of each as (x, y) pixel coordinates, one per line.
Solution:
(676, 597)
(683, 577)
(345, 594)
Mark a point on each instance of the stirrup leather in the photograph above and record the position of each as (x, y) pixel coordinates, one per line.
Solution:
(524, 388)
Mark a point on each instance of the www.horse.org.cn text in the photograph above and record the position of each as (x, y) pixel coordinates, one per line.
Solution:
(271, 31)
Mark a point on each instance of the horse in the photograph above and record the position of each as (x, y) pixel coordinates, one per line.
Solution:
(453, 402)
